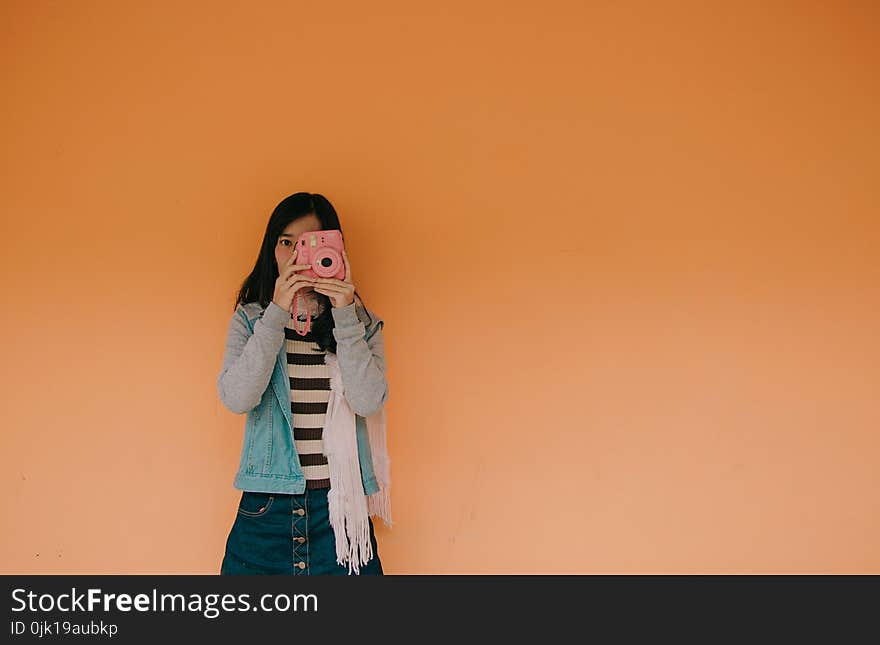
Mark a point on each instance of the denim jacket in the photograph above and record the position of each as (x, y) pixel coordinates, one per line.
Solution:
(254, 380)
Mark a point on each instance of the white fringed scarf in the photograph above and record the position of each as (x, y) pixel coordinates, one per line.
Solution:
(349, 507)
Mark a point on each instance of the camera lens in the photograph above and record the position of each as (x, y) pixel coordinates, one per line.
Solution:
(326, 262)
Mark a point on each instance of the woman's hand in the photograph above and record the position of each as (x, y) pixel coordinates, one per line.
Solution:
(340, 292)
(289, 282)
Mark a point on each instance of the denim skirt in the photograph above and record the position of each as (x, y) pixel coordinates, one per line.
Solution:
(282, 534)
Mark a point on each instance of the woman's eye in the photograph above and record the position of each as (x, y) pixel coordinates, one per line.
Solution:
(285, 242)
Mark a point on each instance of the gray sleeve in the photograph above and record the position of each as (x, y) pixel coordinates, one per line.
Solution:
(250, 358)
(361, 362)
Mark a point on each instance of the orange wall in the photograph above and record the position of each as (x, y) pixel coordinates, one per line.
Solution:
(626, 255)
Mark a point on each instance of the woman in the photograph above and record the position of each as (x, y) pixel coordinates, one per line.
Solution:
(314, 464)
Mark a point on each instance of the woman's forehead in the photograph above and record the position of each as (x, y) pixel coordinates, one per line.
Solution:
(302, 225)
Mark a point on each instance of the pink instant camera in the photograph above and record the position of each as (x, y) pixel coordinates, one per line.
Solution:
(323, 250)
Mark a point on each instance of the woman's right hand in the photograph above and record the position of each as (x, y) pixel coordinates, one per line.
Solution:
(289, 282)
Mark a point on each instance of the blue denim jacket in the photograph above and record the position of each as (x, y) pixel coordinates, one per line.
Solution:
(269, 460)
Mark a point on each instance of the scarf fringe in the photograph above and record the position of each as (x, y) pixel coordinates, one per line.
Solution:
(348, 507)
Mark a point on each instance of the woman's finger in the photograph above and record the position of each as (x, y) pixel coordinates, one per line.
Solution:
(332, 287)
(290, 267)
(339, 283)
(297, 278)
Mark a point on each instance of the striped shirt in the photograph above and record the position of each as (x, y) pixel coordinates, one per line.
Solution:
(309, 394)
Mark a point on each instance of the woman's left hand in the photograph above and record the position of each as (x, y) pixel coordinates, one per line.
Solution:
(340, 292)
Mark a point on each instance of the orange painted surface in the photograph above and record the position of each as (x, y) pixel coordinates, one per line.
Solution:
(627, 257)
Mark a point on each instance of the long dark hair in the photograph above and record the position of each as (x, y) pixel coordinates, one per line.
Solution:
(259, 286)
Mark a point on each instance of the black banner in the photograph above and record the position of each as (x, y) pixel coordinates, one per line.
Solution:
(128, 608)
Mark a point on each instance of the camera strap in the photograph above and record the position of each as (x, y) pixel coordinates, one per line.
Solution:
(296, 321)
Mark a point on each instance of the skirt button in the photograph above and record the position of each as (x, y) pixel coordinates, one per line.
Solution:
(301, 565)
